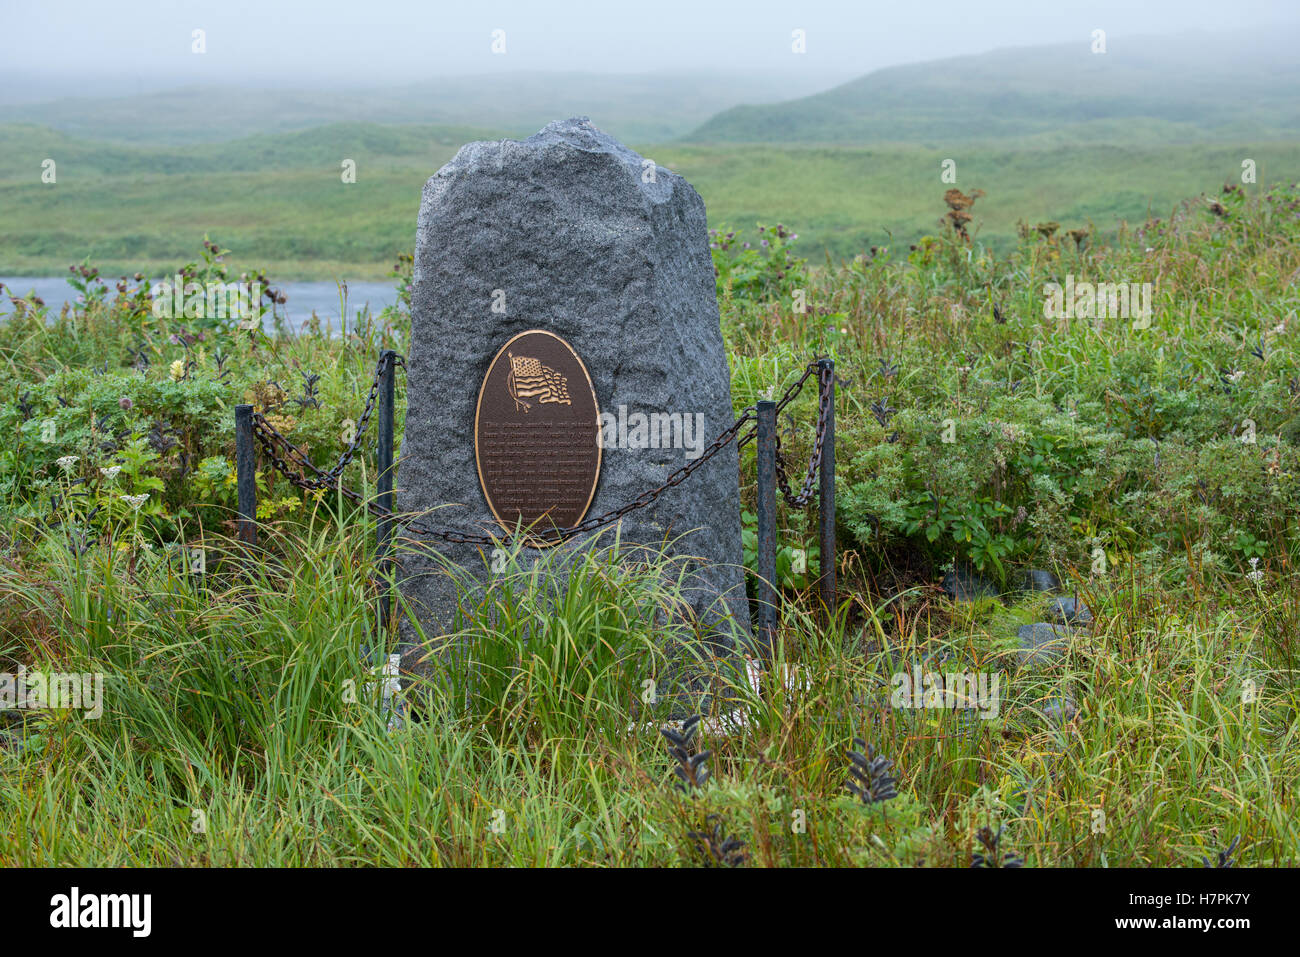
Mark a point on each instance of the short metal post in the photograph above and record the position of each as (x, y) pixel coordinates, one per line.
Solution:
(766, 591)
(246, 474)
(384, 484)
(826, 503)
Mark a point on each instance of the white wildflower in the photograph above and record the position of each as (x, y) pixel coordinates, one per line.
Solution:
(110, 473)
(135, 501)
(67, 462)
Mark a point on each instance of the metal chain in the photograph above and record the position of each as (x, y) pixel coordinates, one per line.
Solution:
(814, 463)
(271, 440)
(329, 479)
(786, 398)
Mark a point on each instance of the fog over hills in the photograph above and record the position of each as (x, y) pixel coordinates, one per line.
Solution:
(1189, 88)
(1049, 133)
(1182, 88)
(640, 108)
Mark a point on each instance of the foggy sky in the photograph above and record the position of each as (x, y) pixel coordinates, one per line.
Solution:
(384, 41)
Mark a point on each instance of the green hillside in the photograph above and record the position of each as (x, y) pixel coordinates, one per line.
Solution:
(324, 146)
(1048, 133)
(842, 200)
(1168, 89)
(644, 107)
(279, 201)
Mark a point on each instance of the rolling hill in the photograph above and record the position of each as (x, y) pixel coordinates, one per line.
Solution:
(1049, 133)
(636, 108)
(1194, 88)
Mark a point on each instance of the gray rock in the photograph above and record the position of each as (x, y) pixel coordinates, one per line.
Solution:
(1039, 579)
(1060, 710)
(963, 584)
(1043, 643)
(1069, 611)
(567, 227)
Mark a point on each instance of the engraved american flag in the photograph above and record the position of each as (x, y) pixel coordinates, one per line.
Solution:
(529, 379)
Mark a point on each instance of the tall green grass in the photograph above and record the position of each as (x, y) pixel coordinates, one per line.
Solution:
(243, 726)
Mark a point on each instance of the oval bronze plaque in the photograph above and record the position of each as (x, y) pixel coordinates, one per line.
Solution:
(537, 434)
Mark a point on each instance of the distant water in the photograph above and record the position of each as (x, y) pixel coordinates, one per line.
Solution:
(302, 297)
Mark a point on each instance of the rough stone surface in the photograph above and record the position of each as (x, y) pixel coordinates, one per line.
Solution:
(1060, 710)
(1039, 579)
(565, 224)
(963, 584)
(1069, 611)
(1043, 643)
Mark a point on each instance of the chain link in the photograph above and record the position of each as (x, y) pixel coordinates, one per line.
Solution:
(294, 466)
(824, 383)
(330, 478)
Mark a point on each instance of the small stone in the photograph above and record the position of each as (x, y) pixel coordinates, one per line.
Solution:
(1060, 710)
(1069, 611)
(966, 585)
(1043, 643)
(1039, 579)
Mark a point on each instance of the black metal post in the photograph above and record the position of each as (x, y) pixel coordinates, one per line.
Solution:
(384, 483)
(766, 591)
(826, 503)
(246, 474)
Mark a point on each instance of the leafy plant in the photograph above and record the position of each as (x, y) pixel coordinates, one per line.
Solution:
(869, 778)
(718, 848)
(691, 770)
(994, 855)
(761, 270)
(797, 564)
